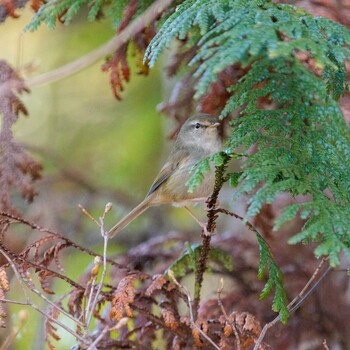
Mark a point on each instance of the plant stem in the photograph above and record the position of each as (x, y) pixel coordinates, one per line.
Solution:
(206, 235)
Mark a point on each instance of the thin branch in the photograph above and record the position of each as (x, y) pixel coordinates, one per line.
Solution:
(59, 323)
(18, 275)
(297, 301)
(32, 305)
(105, 236)
(123, 37)
(231, 323)
(89, 290)
(88, 215)
(325, 344)
(61, 310)
(311, 290)
(70, 242)
(41, 267)
(193, 324)
(122, 322)
(10, 301)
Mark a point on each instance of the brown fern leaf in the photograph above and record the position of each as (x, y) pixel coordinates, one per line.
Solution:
(140, 44)
(217, 95)
(8, 8)
(118, 64)
(119, 70)
(226, 338)
(35, 4)
(4, 287)
(227, 330)
(24, 271)
(58, 248)
(246, 325)
(18, 170)
(176, 343)
(4, 282)
(3, 313)
(45, 279)
(169, 318)
(203, 325)
(158, 282)
(36, 246)
(51, 329)
(197, 337)
(169, 306)
(124, 296)
(52, 254)
(75, 302)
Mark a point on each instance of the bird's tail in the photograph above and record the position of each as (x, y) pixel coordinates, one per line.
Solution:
(128, 218)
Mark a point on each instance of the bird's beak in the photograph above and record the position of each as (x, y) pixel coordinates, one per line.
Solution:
(215, 125)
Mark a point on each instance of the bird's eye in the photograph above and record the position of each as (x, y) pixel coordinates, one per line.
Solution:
(197, 126)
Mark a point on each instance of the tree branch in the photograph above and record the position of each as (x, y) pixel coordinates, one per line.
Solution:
(220, 179)
(298, 300)
(83, 62)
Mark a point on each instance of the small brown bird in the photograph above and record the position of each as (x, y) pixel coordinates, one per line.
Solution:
(198, 138)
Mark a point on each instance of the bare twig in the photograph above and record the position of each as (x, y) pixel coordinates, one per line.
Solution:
(10, 301)
(123, 37)
(59, 323)
(298, 300)
(61, 310)
(89, 215)
(39, 267)
(104, 234)
(325, 345)
(308, 284)
(232, 324)
(70, 242)
(122, 322)
(19, 278)
(89, 290)
(193, 324)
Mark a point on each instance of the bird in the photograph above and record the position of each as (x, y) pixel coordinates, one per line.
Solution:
(197, 139)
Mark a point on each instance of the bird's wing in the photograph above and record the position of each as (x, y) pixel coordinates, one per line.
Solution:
(168, 169)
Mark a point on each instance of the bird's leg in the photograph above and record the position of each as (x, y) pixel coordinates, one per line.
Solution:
(200, 223)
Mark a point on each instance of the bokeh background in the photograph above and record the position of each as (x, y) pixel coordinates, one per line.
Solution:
(94, 149)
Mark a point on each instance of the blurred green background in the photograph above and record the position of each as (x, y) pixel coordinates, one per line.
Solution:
(94, 149)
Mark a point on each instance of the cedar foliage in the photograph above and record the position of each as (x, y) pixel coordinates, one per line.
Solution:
(302, 142)
(271, 71)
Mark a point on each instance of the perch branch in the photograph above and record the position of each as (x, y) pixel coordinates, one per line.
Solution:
(206, 234)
